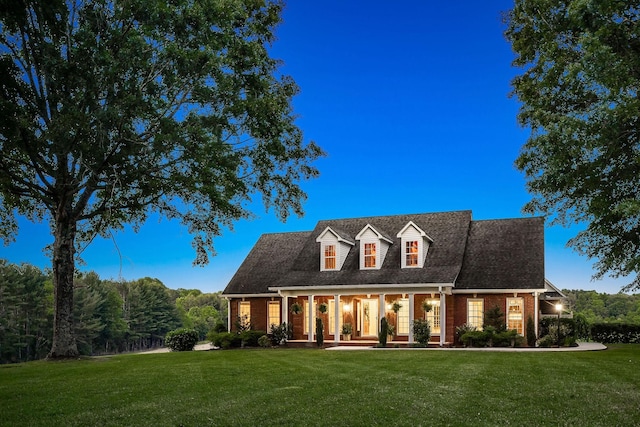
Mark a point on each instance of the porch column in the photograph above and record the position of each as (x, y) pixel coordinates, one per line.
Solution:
(536, 304)
(228, 315)
(411, 316)
(310, 317)
(443, 318)
(336, 317)
(284, 310)
(381, 309)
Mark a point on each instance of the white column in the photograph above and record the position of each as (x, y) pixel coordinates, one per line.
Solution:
(336, 316)
(284, 310)
(411, 316)
(310, 317)
(536, 304)
(381, 310)
(228, 315)
(443, 318)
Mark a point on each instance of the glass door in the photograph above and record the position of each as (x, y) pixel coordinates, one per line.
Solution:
(369, 317)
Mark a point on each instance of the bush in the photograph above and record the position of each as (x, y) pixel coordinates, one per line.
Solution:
(531, 332)
(463, 329)
(181, 339)
(225, 340)
(609, 333)
(547, 341)
(264, 341)
(250, 338)
(421, 331)
(474, 339)
(319, 332)
(281, 334)
(384, 332)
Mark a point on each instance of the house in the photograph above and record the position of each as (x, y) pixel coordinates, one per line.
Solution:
(358, 268)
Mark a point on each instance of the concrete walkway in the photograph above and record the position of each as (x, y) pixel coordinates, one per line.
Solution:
(582, 346)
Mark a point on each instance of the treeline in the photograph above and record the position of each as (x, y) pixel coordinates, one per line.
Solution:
(604, 308)
(110, 316)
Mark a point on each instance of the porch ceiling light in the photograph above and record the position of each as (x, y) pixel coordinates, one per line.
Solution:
(347, 307)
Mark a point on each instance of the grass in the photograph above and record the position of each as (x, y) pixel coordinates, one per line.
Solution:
(316, 387)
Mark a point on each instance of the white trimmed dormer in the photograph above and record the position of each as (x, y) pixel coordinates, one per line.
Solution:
(334, 248)
(414, 245)
(373, 248)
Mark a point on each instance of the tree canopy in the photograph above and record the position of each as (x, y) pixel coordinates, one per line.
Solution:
(580, 62)
(113, 109)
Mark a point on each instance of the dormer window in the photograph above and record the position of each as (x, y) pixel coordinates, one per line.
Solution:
(329, 257)
(370, 255)
(334, 248)
(415, 244)
(373, 248)
(411, 253)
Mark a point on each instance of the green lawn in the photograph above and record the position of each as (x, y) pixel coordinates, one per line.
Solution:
(330, 388)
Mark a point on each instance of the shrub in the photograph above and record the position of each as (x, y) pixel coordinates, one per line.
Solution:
(281, 334)
(384, 332)
(181, 339)
(250, 338)
(547, 341)
(421, 331)
(508, 339)
(225, 340)
(582, 326)
(474, 339)
(608, 333)
(531, 332)
(220, 327)
(463, 329)
(319, 332)
(494, 317)
(264, 341)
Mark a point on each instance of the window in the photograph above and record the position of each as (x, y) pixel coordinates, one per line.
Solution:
(403, 317)
(273, 314)
(244, 314)
(411, 253)
(305, 315)
(475, 313)
(332, 317)
(515, 315)
(370, 255)
(433, 316)
(330, 257)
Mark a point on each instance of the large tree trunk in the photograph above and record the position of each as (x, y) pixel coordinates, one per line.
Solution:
(64, 343)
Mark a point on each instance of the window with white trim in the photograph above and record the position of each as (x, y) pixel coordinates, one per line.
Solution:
(273, 314)
(433, 317)
(329, 257)
(403, 317)
(475, 313)
(370, 255)
(515, 314)
(411, 253)
(244, 313)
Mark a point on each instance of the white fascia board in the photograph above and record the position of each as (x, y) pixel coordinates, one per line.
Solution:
(350, 289)
(496, 291)
(337, 236)
(265, 295)
(377, 233)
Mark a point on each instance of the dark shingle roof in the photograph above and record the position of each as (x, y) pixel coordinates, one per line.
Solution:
(472, 254)
(504, 254)
(272, 255)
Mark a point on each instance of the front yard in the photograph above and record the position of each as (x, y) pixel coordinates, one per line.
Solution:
(318, 387)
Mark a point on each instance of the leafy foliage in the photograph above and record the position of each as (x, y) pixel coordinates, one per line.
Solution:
(600, 307)
(531, 332)
(319, 332)
(421, 331)
(183, 339)
(578, 90)
(384, 332)
(114, 110)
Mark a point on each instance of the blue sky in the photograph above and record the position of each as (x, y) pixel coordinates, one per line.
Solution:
(410, 102)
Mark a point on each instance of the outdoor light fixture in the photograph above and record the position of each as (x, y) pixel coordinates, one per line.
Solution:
(388, 307)
(559, 310)
(346, 307)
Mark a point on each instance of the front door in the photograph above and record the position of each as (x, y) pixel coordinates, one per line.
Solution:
(369, 317)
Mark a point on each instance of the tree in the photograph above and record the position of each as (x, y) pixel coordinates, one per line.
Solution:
(111, 110)
(580, 65)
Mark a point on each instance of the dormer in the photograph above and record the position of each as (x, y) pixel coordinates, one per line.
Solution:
(373, 248)
(334, 248)
(414, 245)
